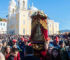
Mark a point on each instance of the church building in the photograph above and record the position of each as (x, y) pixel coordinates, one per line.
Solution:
(19, 21)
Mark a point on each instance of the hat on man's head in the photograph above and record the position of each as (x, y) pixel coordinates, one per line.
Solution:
(29, 38)
(21, 38)
(61, 42)
(14, 40)
(3, 41)
(57, 39)
(25, 40)
(48, 38)
(29, 44)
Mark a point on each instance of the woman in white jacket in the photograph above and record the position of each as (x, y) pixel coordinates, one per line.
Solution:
(2, 56)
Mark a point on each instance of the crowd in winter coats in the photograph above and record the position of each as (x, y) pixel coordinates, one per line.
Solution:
(20, 48)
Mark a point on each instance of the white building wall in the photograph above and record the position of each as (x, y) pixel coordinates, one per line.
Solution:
(53, 27)
(3, 27)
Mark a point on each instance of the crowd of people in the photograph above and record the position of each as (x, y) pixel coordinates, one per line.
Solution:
(15, 47)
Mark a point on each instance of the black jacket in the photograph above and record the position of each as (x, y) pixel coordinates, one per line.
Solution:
(11, 57)
(31, 58)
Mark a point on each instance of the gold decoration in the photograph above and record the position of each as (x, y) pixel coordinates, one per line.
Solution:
(43, 23)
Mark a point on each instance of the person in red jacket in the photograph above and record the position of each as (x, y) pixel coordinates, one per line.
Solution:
(7, 52)
(44, 52)
(49, 53)
(14, 54)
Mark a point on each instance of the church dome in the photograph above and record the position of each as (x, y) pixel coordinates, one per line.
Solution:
(33, 8)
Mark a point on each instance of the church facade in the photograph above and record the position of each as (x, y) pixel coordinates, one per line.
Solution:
(19, 21)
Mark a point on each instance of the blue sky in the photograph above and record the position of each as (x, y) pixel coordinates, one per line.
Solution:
(57, 10)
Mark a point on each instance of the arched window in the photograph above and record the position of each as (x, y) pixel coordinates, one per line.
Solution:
(24, 31)
(23, 4)
(13, 11)
(18, 3)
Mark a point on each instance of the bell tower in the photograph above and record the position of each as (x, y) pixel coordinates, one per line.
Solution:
(12, 7)
(22, 4)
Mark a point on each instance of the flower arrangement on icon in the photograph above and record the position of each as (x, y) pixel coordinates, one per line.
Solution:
(39, 26)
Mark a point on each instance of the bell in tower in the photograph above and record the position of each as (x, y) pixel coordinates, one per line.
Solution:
(25, 4)
(22, 4)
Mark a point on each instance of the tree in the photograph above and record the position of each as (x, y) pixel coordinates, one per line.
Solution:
(0, 19)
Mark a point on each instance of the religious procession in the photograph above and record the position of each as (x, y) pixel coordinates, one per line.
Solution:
(38, 46)
(30, 33)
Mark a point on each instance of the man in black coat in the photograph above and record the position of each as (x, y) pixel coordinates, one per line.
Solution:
(29, 54)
